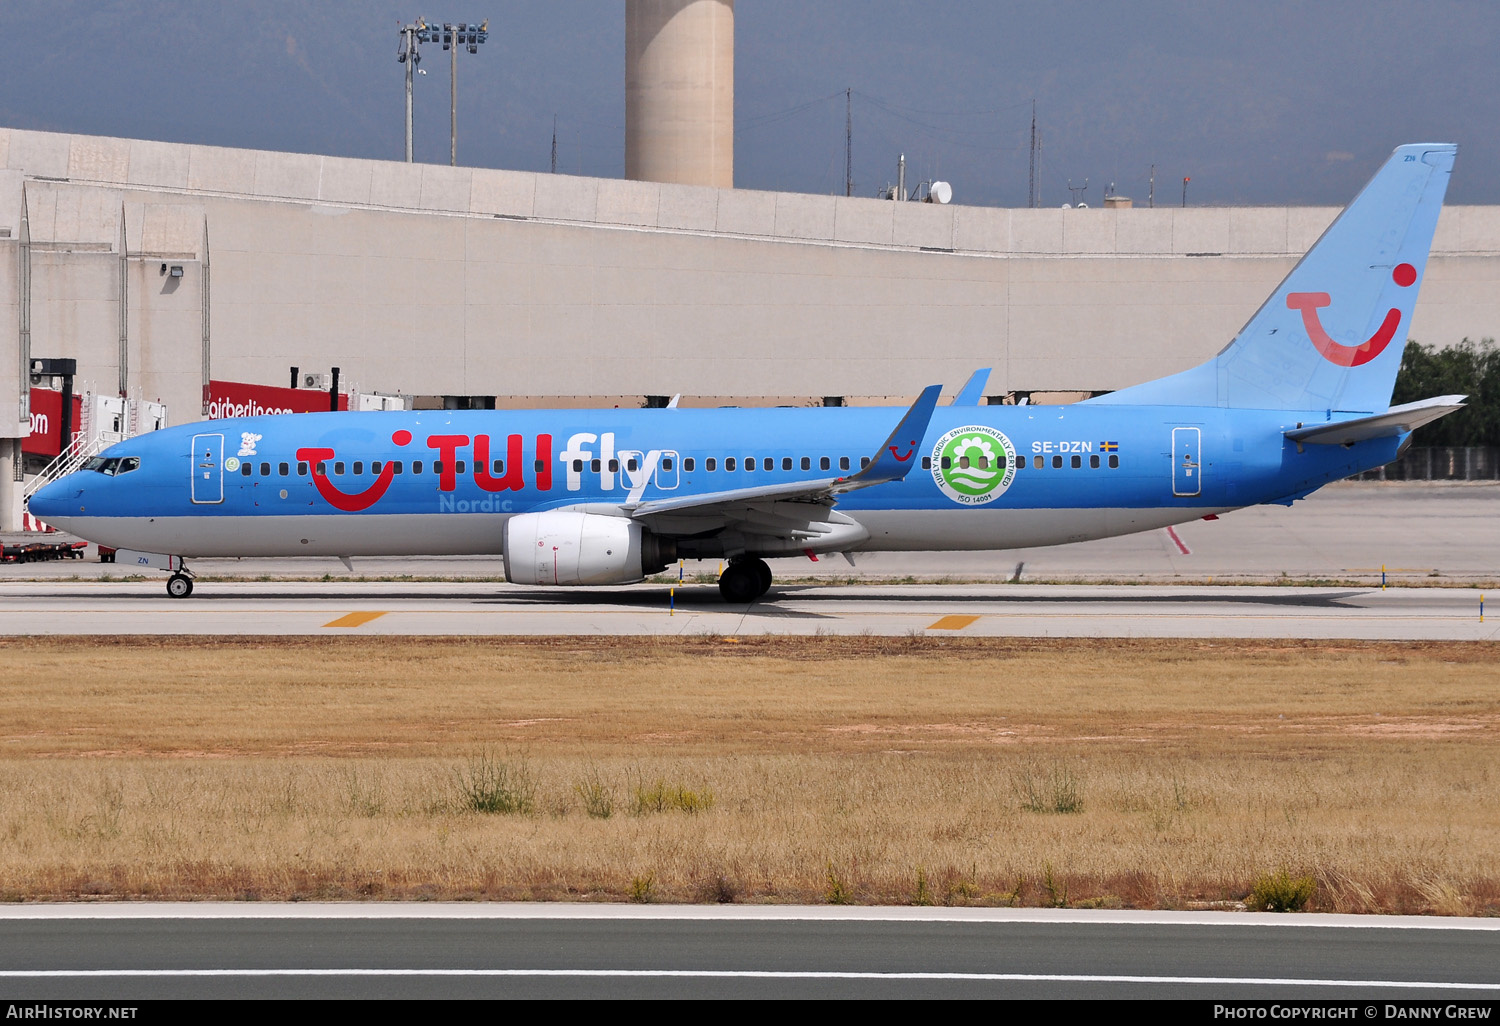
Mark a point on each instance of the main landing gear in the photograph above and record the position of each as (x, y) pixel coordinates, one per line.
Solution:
(180, 584)
(745, 579)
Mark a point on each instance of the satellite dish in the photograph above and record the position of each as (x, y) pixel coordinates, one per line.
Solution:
(1081, 206)
(941, 192)
(1067, 206)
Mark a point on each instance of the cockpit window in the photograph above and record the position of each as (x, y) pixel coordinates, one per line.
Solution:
(113, 465)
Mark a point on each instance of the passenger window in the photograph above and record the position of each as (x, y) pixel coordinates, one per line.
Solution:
(963, 462)
(459, 466)
(984, 463)
(282, 469)
(666, 464)
(1094, 461)
(864, 461)
(375, 466)
(301, 469)
(806, 463)
(1057, 463)
(614, 466)
(1114, 461)
(594, 466)
(1037, 463)
(749, 462)
(729, 463)
(824, 463)
(843, 463)
(321, 470)
(687, 464)
(786, 463)
(396, 466)
(632, 466)
(265, 470)
(710, 464)
(416, 466)
(538, 466)
(498, 468)
(1077, 461)
(359, 467)
(947, 462)
(247, 469)
(338, 468)
(926, 462)
(578, 466)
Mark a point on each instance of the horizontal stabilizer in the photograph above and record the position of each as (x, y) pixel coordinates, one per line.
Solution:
(1396, 421)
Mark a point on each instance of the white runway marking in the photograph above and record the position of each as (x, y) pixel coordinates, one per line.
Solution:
(211, 910)
(753, 974)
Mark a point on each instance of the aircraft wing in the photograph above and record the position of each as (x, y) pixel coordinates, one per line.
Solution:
(1395, 421)
(793, 503)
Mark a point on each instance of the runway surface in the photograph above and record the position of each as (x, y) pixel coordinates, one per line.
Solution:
(142, 951)
(473, 608)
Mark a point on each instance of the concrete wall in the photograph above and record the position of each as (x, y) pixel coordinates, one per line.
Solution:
(454, 281)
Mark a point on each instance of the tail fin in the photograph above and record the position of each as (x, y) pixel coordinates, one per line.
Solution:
(1331, 335)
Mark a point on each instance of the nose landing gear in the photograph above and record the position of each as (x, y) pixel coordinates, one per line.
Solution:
(745, 579)
(180, 585)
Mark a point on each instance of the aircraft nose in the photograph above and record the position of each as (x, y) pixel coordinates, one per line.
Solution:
(55, 499)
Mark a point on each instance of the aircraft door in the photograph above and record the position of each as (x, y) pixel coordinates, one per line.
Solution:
(666, 470)
(1187, 470)
(208, 468)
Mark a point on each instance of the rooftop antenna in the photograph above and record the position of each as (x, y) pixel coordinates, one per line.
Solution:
(554, 144)
(848, 142)
(1151, 198)
(1032, 200)
(1078, 191)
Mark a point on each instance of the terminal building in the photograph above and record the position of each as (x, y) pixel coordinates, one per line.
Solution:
(183, 278)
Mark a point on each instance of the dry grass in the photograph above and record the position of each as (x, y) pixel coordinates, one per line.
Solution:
(1112, 773)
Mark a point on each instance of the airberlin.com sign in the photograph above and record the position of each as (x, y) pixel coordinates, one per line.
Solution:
(238, 399)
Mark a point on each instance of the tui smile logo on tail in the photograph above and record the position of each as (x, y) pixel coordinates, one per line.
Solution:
(1404, 275)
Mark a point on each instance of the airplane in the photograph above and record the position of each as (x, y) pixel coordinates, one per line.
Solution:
(1299, 398)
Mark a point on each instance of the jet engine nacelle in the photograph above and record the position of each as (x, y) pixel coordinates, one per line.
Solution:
(563, 547)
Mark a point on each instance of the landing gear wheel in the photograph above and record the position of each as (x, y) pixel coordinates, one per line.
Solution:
(179, 586)
(740, 583)
(762, 575)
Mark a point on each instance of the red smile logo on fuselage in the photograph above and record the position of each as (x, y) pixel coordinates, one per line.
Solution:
(342, 500)
(1309, 303)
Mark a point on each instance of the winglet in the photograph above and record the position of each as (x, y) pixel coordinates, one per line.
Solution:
(899, 453)
(973, 391)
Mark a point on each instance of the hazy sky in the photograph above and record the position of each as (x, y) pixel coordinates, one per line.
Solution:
(1265, 102)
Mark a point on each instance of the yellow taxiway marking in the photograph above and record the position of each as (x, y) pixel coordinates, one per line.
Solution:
(355, 620)
(953, 623)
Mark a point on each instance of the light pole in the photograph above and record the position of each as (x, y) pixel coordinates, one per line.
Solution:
(468, 36)
(1184, 190)
(409, 56)
(452, 37)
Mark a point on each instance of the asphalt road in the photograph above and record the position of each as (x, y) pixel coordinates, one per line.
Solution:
(214, 950)
(475, 608)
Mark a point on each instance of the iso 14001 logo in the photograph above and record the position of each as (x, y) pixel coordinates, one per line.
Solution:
(973, 465)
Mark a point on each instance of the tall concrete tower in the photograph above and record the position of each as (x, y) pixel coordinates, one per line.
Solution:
(679, 91)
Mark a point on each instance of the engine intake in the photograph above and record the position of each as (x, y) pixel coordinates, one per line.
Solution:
(563, 547)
